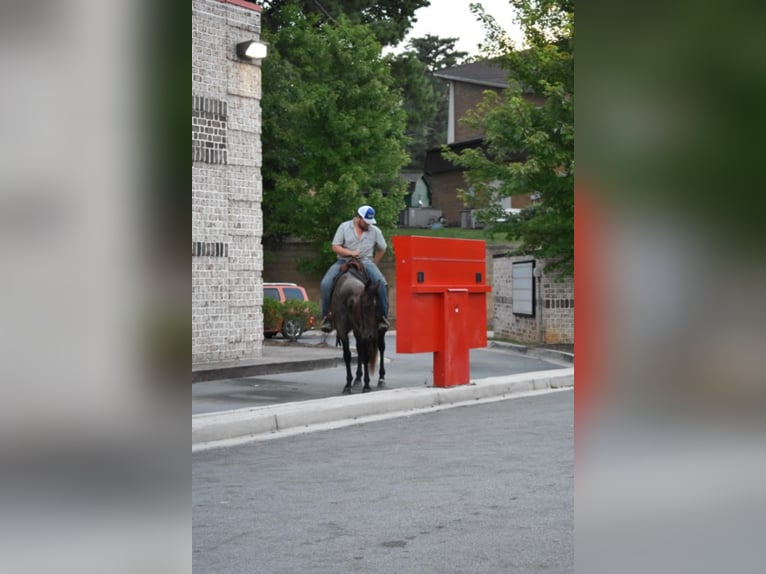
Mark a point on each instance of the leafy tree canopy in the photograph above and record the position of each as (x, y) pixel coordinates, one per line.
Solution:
(529, 132)
(389, 20)
(333, 129)
(426, 98)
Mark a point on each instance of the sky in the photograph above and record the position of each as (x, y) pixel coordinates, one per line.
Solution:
(453, 19)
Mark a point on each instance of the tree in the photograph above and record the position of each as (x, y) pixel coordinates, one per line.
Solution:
(425, 97)
(419, 101)
(388, 20)
(333, 129)
(529, 132)
(437, 54)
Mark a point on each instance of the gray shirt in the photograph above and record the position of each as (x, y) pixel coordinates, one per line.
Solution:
(371, 239)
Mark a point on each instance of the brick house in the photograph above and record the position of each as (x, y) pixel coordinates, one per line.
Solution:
(528, 308)
(227, 221)
(467, 84)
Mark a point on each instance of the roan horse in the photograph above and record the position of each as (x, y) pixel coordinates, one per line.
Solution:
(354, 306)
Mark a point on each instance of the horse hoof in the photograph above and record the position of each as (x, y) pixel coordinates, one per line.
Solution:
(381, 383)
(358, 383)
(346, 391)
(366, 389)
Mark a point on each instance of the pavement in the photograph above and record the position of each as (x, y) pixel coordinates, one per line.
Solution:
(314, 352)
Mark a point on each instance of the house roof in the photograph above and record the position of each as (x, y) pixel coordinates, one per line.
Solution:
(483, 73)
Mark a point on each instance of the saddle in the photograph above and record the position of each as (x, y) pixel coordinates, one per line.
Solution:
(355, 267)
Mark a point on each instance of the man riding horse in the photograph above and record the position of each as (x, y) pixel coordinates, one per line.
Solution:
(360, 238)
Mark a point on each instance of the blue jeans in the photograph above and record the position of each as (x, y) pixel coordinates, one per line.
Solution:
(372, 272)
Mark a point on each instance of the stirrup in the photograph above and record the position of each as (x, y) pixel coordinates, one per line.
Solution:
(327, 324)
(383, 324)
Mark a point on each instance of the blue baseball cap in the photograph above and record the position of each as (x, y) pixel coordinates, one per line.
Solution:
(367, 213)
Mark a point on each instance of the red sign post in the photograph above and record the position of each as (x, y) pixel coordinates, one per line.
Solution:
(441, 302)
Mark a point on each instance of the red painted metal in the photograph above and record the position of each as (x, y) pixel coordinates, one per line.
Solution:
(441, 302)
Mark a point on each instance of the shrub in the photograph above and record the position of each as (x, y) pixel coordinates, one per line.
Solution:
(302, 311)
(272, 314)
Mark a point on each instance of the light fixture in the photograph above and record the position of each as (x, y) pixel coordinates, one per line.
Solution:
(252, 49)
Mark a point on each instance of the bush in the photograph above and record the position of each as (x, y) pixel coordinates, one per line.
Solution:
(272, 314)
(302, 311)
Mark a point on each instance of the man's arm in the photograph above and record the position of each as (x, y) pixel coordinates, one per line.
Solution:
(341, 251)
(379, 255)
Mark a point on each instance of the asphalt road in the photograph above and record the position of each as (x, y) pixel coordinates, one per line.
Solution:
(480, 489)
(402, 370)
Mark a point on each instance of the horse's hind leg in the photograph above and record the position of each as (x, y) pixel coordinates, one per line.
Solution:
(381, 351)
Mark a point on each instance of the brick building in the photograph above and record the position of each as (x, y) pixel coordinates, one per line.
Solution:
(467, 84)
(227, 221)
(551, 320)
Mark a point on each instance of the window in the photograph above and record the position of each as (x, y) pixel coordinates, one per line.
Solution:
(293, 293)
(271, 293)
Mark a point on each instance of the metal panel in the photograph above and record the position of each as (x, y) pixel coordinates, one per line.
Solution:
(523, 288)
(441, 302)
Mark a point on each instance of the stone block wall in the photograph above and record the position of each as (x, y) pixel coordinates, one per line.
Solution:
(227, 221)
(557, 306)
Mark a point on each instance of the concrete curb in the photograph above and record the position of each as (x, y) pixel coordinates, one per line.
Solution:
(250, 422)
(537, 352)
(243, 371)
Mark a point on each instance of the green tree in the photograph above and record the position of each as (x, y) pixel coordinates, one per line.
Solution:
(388, 20)
(333, 129)
(419, 101)
(425, 97)
(437, 54)
(529, 132)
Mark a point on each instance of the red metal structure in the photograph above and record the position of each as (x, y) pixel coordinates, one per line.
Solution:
(441, 302)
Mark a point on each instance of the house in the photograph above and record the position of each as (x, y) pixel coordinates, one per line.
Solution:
(467, 84)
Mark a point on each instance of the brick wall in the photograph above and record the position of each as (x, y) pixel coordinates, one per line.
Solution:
(467, 97)
(557, 306)
(227, 222)
(444, 188)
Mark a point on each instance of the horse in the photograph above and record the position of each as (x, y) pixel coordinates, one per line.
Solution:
(354, 306)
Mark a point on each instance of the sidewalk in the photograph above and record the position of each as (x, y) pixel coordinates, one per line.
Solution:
(276, 357)
(280, 356)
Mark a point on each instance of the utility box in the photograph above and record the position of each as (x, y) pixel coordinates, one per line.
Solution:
(420, 216)
(441, 302)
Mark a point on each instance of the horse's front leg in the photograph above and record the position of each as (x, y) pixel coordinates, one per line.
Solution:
(347, 360)
(381, 351)
(364, 358)
(366, 388)
(358, 378)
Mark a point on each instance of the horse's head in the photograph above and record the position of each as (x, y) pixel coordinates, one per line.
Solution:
(354, 306)
(368, 310)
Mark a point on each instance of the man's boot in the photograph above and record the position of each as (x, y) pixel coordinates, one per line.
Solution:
(327, 323)
(383, 324)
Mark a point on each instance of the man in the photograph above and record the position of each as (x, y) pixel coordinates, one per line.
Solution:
(360, 238)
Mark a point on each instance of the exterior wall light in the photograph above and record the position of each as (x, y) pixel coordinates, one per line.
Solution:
(252, 50)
